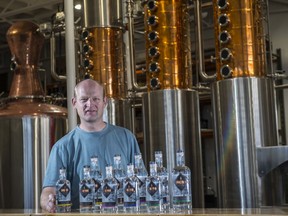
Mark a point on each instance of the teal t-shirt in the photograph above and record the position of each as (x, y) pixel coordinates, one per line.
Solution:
(74, 150)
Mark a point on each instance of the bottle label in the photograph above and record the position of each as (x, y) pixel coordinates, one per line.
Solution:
(129, 190)
(64, 190)
(152, 188)
(181, 182)
(153, 191)
(181, 188)
(85, 190)
(109, 192)
(86, 193)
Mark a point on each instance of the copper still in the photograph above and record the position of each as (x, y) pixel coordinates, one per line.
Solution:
(168, 47)
(29, 126)
(171, 107)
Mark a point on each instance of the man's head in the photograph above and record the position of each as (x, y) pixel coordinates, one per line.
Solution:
(89, 100)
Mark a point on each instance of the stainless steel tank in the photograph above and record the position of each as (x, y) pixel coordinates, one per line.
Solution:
(28, 126)
(171, 122)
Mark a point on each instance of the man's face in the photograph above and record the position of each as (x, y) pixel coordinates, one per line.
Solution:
(89, 102)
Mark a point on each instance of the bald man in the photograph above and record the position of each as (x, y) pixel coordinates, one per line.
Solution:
(91, 137)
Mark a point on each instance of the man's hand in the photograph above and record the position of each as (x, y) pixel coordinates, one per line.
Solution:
(48, 199)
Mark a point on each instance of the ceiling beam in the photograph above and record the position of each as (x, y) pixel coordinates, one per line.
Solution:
(42, 3)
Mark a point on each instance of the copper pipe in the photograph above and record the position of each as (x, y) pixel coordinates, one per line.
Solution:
(132, 64)
(199, 45)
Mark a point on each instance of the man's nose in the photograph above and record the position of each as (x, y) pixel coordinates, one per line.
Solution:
(90, 101)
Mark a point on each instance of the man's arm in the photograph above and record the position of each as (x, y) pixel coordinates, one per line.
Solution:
(47, 199)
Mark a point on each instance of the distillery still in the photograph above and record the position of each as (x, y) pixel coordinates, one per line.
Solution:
(150, 57)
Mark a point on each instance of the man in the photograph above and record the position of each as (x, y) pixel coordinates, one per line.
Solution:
(92, 137)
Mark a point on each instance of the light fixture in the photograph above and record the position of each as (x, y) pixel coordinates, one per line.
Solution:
(78, 6)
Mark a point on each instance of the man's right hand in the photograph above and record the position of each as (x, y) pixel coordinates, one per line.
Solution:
(48, 199)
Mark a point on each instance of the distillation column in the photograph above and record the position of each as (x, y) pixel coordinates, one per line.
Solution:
(103, 55)
(171, 107)
(244, 108)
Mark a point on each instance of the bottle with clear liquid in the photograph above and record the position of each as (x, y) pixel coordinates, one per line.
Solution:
(97, 177)
(181, 189)
(63, 193)
(164, 176)
(86, 191)
(154, 190)
(119, 175)
(141, 173)
(131, 191)
(109, 192)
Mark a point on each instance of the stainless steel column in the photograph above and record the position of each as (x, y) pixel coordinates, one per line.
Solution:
(171, 122)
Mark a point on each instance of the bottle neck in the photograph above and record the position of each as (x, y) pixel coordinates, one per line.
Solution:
(138, 162)
(87, 174)
(180, 158)
(130, 170)
(95, 164)
(62, 175)
(109, 172)
(159, 160)
(153, 169)
(117, 162)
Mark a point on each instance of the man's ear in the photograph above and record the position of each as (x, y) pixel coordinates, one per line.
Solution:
(74, 101)
(105, 100)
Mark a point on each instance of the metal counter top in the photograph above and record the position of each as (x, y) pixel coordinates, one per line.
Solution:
(271, 211)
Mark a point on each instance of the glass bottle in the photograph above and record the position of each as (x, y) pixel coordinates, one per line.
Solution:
(181, 187)
(63, 192)
(119, 175)
(97, 177)
(154, 190)
(164, 176)
(141, 173)
(109, 192)
(86, 191)
(131, 191)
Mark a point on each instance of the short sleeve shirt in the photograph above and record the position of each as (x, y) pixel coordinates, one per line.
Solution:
(74, 150)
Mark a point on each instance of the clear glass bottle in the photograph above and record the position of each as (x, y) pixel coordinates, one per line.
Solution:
(119, 175)
(86, 191)
(164, 176)
(141, 173)
(97, 177)
(181, 189)
(109, 192)
(154, 190)
(63, 193)
(131, 191)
